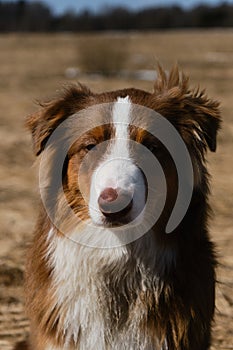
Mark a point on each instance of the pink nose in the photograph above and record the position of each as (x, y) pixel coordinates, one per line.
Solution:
(114, 204)
(108, 195)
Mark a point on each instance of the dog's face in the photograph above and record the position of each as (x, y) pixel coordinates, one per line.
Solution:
(105, 164)
(103, 176)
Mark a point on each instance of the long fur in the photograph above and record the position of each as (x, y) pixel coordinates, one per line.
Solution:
(155, 293)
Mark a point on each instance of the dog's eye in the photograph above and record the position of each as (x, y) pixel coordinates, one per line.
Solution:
(153, 148)
(90, 146)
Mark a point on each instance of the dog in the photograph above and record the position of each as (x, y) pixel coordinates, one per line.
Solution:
(155, 290)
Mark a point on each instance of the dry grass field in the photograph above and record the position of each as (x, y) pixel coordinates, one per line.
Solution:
(35, 67)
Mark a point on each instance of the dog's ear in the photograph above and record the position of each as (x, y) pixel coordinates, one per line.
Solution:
(205, 117)
(46, 120)
(189, 108)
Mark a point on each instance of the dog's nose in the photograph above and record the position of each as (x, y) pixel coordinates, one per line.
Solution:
(108, 195)
(115, 204)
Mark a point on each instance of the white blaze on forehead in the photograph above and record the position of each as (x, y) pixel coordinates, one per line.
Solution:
(113, 172)
(117, 170)
(121, 118)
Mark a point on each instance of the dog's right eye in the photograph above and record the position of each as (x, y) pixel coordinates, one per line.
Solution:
(90, 146)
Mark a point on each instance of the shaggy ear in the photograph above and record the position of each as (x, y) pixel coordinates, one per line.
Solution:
(37, 123)
(45, 121)
(206, 118)
(192, 108)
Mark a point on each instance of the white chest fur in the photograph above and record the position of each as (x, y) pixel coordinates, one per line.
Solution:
(78, 285)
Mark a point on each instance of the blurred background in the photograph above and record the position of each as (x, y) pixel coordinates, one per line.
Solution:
(45, 45)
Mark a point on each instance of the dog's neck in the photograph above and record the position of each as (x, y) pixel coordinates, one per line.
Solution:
(107, 292)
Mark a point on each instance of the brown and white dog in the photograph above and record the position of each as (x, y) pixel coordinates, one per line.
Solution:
(155, 292)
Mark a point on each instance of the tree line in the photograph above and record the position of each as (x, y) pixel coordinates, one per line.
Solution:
(23, 16)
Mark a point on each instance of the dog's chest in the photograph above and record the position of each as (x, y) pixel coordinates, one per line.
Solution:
(95, 323)
(96, 317)
(98, 311)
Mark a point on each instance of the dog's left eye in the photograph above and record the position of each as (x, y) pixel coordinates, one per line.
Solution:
(153, 148)
(90, 147)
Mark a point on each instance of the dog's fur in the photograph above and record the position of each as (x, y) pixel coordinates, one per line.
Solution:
(157, 292)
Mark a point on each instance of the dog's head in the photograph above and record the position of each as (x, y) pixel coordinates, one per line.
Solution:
(108, 142)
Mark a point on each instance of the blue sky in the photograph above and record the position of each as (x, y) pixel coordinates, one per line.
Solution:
(59, 6)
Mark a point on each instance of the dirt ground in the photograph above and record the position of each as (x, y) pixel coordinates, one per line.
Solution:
(35, 67)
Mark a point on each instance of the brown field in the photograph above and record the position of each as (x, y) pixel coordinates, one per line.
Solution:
(33, 67)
